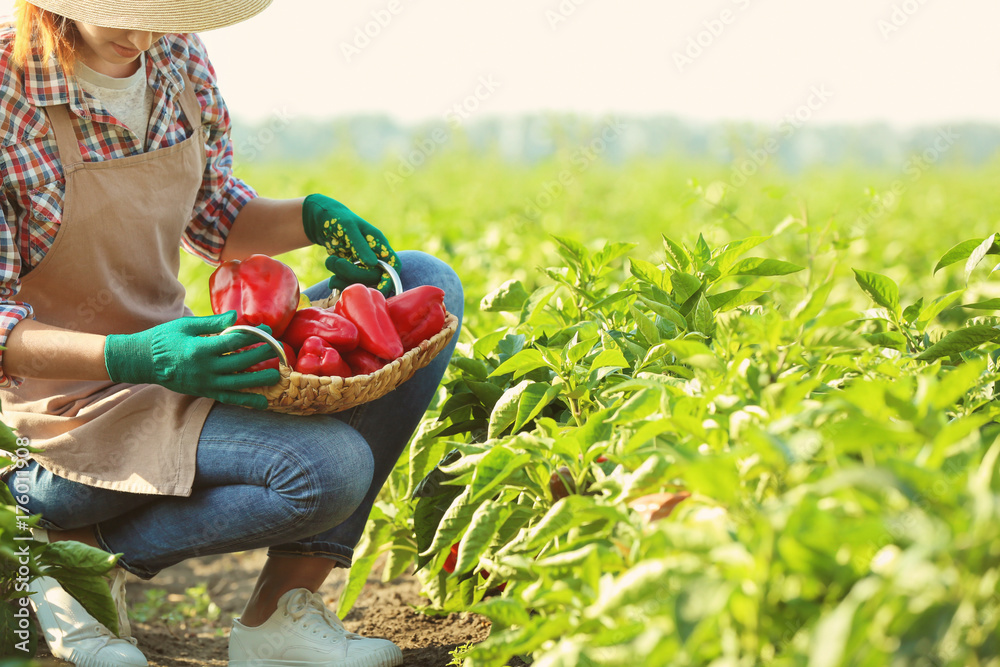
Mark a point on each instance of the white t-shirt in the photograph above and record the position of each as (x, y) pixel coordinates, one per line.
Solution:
(129, 100)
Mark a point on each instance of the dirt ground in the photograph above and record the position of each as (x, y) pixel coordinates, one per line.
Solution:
(382, 610)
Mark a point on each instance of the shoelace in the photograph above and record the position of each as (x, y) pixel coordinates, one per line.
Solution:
(303, 605)
(118, 595)
(102, 631)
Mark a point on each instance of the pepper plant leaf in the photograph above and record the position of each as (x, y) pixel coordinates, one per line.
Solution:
(883, 290)
(960, 341)
(962, 251)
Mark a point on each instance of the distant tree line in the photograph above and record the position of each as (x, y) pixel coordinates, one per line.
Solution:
(532, 138)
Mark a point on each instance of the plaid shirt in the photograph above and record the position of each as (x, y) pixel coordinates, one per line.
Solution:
(33, 183)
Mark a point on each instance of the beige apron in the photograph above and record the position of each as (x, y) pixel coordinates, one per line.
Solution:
(113, 269)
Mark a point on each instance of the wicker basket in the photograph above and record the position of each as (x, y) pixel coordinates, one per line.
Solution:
(301, 394)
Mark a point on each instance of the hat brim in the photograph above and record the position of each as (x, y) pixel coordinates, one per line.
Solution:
(174, 17)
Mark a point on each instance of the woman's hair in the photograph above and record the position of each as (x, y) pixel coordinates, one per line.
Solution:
(43, 32)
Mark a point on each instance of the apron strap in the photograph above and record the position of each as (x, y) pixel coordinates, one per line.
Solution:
(69, 147)
(190, 105)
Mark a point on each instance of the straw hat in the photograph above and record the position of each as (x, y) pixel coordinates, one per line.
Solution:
(169, 16)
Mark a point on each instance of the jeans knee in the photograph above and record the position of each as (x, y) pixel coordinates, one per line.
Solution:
(339, 479)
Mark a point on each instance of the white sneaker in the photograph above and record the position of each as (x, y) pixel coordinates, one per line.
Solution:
(117, 583)
(74, 635)
(304, 633)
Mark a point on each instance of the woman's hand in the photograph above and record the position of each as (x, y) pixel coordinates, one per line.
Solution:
(349, 240)
(182, 356)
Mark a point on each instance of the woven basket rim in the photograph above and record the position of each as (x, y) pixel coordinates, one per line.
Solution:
(306, 394)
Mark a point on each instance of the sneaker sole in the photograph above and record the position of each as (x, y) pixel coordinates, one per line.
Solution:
(391, 657)
(81, 659)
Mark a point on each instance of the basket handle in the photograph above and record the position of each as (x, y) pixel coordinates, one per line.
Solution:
(397, 284)
(266, 337)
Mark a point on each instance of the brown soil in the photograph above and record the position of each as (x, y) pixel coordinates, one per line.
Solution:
(382, 610)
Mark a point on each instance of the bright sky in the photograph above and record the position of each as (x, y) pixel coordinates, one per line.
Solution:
(903, 61)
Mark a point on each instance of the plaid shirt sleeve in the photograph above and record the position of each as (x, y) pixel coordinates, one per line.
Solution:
(222, 195)
(11, 311)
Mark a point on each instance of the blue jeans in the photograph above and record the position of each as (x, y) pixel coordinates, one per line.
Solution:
(298, 485)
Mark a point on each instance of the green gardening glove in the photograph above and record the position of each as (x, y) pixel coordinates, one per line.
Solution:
(180, 356)
(350, 241)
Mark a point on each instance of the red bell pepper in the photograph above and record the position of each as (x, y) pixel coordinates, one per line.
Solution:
(273, 362)
(365, 306)
(658, 505)
(417, 314)
(317, 357)
(338, 331)
(452, 559)
(260, 289)
(486, 575)
(363, 362)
